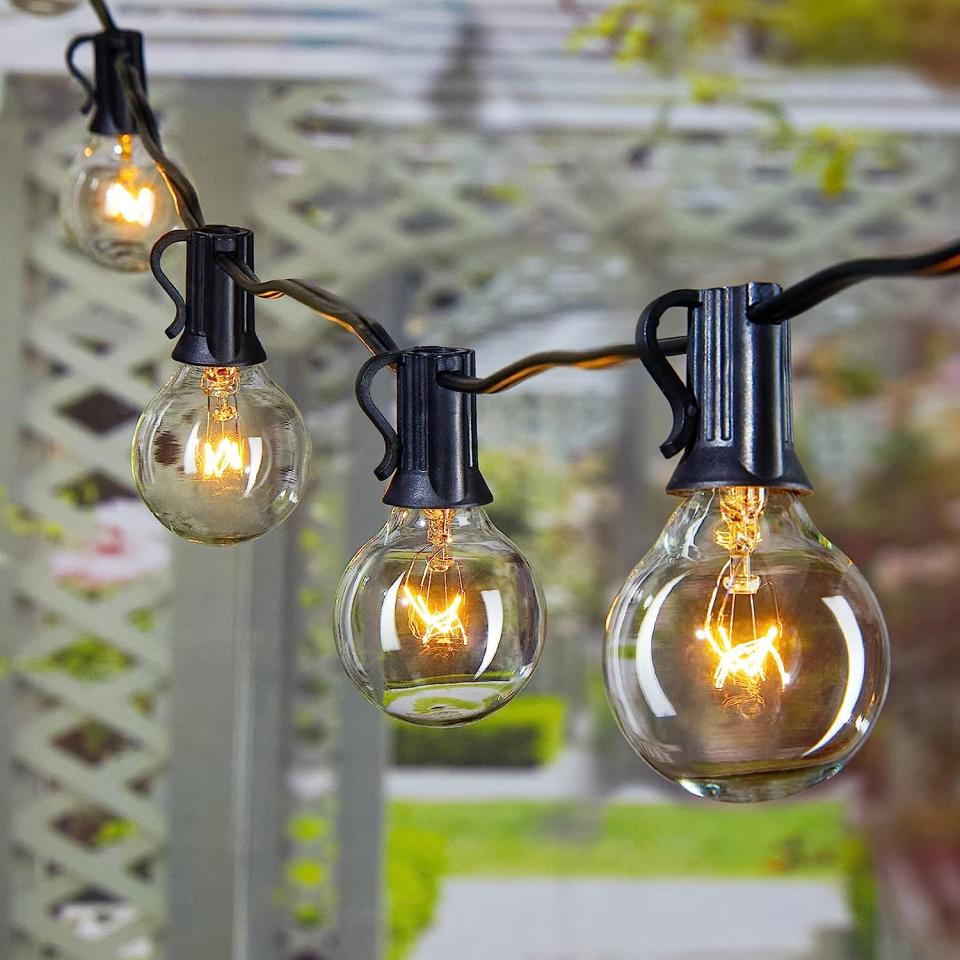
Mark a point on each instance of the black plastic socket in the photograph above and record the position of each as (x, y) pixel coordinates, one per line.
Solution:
(105, 97)
(216, 319)
(733, 418)
(432, 454)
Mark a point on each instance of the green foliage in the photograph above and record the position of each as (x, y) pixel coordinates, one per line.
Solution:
(111, 832)
(829, 153)
(670, 34)
(416, 862)
(547, 508)
(664, 33)
(143, 619)
(306, 892)
(89, 659)
(841, 31)
(674, 37)
(305, 873)
(307, 914)
(861, 895)
(527, 732)
(308, 828)
(18, 522)
(517, 838)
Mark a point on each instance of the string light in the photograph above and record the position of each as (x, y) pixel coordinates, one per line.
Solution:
(745, 656)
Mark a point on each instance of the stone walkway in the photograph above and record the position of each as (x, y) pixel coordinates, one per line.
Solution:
(598, 919)
(570, 777)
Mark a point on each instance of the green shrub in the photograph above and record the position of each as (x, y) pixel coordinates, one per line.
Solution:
(416, 861)
(526, 733)
(861, 895)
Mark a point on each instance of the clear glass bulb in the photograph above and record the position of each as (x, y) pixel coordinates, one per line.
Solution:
(439, 619)
(115, 204)
(46, 8)
(220, 454)
(746, 658)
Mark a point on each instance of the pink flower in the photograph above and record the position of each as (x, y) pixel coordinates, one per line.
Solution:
(129, 544)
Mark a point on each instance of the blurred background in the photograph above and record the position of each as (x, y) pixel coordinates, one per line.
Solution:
(186, 773)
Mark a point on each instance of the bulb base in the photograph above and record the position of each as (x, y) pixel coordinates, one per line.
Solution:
(111, 113)
(433, 452)
(733, 418)
(215, 320)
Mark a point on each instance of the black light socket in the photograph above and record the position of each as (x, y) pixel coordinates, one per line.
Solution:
(111, 112)
(432, 454)
(733, 418)
(215, 320)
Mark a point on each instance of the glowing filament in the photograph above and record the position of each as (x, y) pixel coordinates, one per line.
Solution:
(222, 452)
(436, 626)
(746, 661)
(434, 608)
(228, 455)
(125, 202)
(746, 665)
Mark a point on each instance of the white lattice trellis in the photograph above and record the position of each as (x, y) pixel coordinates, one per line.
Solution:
(91, 656)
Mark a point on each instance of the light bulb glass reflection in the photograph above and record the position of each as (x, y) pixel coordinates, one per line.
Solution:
(45, 8)
(745, 658)
(220, 455)
(115, 204)
(439, 619)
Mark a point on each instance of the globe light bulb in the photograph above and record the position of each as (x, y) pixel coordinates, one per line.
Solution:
(220, 454)
(45, 8)
(115, 204)
(745, 658)
(439, 620)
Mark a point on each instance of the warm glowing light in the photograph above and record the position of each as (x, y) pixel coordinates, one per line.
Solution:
(228, 455)
(747, 661)
(126, 203)
(435, 626)
(436, 603)
(742, 665)
(125, 199)
(223, 450)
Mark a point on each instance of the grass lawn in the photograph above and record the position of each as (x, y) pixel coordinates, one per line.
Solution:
(508, 838)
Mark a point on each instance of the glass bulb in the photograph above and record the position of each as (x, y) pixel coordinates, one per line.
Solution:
(115, 204)
(745, 657)
(439, 620)
(46, 8)
(220, 454)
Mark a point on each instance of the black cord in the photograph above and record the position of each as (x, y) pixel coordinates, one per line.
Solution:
(369, 331)
(104, 15)
(824, 284)
(523, 369)
(184, 193)
(792, 302)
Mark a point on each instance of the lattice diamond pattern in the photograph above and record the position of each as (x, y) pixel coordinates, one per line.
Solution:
(496, 229)
(91, 651)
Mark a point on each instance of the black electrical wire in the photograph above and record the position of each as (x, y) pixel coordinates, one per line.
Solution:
(187, 200)
(786, 305)
(104, 15)
(832, 280)
(184, 193)
(523, 369)
(369, 331)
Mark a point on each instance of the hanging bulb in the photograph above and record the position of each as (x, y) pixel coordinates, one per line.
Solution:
(745, 657)
(438, 617)
(115, 204)
(46, 8)
(220, 454)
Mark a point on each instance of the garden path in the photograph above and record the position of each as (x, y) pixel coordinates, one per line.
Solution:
(570, 777)
(608, 919)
